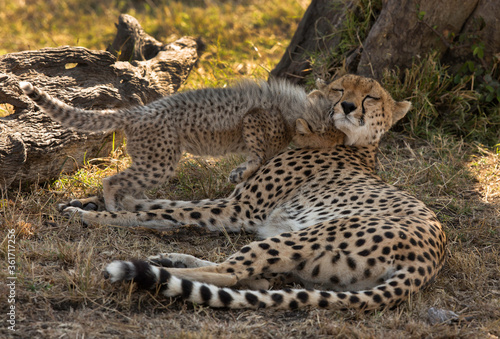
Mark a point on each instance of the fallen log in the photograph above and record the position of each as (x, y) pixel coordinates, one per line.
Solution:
(33, 148)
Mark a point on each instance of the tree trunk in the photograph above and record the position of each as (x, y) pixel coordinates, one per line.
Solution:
(317, 31)
(33, 148)
(403, 31)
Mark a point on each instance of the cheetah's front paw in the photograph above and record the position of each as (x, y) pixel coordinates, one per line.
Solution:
(74, 213)
(71, 212)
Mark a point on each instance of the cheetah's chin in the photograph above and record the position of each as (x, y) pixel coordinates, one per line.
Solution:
(344, 123)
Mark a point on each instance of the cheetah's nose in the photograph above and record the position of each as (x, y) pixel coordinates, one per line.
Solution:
(348, 107)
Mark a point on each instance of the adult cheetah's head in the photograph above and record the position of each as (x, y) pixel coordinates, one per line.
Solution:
(362, 108)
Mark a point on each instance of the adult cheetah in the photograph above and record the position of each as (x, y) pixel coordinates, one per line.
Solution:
(329, 223)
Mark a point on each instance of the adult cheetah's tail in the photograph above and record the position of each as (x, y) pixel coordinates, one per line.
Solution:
(388, 294)
(71, 117)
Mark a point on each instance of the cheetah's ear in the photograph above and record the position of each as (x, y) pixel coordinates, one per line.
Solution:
(302, 127)
(400, 110)
(315, 94)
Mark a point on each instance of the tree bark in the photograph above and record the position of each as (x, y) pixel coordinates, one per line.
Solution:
(33, 148)
(404, 31)
(408, 29)
(318, 30)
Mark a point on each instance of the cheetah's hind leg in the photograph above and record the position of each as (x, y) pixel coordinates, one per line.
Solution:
(94, 203)
(178, 260)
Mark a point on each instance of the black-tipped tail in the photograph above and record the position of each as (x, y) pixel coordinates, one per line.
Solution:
(141, 272)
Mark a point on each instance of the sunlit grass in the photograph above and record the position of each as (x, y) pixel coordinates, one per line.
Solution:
(243, 38)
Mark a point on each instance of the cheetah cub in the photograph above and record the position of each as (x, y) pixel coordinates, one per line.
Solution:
(257, 118)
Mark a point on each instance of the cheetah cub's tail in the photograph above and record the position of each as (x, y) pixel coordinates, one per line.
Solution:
(71, 117)
(389, 293)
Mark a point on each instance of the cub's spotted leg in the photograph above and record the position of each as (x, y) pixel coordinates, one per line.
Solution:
(115, 187)
(153, 162)
(265, 134)
(132, 182)
(136, 179)
(154, 158)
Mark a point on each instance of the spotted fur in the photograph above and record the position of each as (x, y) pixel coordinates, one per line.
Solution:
(353, 242)
(272, 201)
(328, 222)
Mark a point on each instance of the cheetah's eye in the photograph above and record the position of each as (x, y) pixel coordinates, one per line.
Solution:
(369, 97)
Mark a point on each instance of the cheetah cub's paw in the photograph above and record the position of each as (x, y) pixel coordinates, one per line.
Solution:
(242, 172)
(245, 170)
(178, 260)
(236, 175)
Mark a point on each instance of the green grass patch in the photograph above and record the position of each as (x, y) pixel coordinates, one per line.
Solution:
(444, 104)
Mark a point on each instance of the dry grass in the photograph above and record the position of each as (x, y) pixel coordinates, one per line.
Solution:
(60, 291)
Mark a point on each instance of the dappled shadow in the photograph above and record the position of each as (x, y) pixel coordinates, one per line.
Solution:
(457, 180)
(461, 184)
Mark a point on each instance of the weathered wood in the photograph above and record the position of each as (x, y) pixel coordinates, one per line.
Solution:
(131, 42)
(12, 155)
(33, 147)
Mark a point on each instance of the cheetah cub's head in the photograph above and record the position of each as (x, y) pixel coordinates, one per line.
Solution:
(324, 136)
(362, 108)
